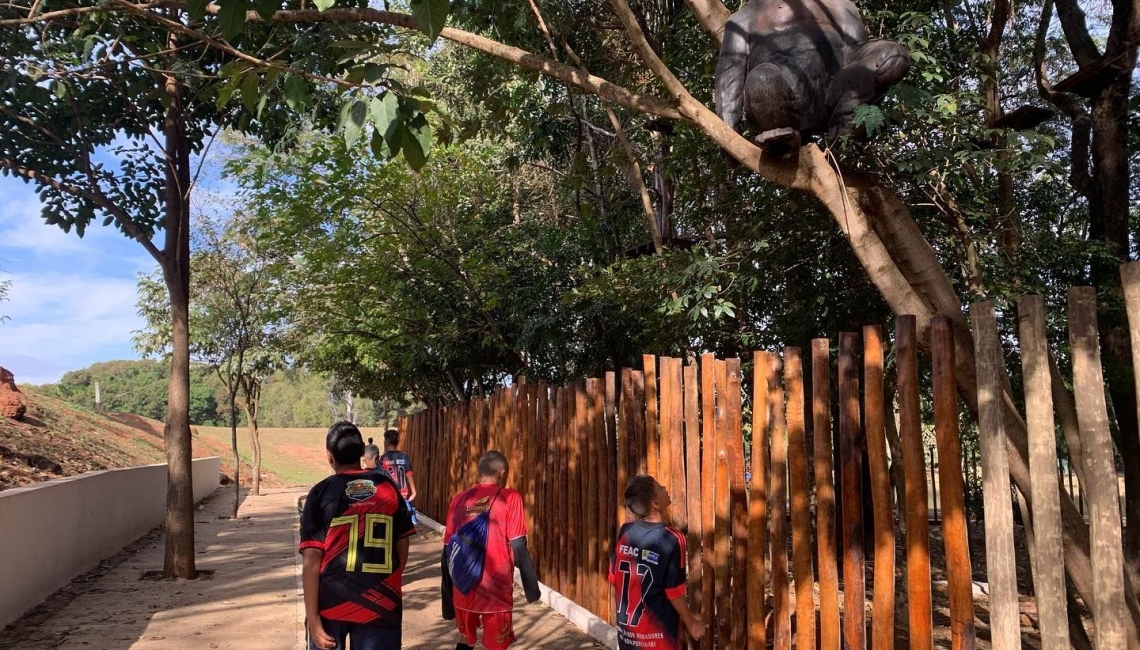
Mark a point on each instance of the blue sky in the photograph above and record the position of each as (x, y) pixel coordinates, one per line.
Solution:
(72, 300)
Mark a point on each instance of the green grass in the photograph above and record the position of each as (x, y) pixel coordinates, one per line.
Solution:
(297, 456)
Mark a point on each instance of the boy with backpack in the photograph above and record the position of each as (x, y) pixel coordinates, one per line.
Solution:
(647, 570)
(396, 463)
(483, 541)
(354, 545)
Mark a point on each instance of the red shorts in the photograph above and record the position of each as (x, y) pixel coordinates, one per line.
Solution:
(498, 634)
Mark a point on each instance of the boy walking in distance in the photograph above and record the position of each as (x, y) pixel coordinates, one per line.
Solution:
(396, 463)
(647, 570)
(354, 542)
(489, 599)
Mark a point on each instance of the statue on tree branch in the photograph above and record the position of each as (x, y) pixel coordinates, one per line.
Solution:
(799, 67)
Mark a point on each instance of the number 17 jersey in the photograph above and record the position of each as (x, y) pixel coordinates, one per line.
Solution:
(648, 570)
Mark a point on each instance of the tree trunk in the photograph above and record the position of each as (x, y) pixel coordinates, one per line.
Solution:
(178, 561)
(1108, 224)
(254, 443)
(234, 447)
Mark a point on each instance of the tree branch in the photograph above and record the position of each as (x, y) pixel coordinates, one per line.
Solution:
(1076, 30)
(122, 218)
(1080, 177)
(712, 15)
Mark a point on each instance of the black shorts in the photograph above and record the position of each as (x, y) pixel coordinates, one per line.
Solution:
(364, 637)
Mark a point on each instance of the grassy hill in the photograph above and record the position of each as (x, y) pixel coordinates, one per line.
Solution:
(56, 439)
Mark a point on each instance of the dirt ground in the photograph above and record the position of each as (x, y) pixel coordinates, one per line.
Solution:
(252, 600)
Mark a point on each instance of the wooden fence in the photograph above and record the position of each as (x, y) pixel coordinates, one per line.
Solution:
(783, 546)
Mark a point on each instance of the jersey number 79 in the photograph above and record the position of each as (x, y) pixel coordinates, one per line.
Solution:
(373, 546)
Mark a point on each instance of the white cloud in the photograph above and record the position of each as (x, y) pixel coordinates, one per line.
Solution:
(61, 322)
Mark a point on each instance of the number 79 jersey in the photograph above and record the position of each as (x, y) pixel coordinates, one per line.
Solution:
(355, 518)
(648, 570)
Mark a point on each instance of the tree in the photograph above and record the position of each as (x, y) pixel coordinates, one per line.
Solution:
(103, 110)
(235, 321)
(5, 286)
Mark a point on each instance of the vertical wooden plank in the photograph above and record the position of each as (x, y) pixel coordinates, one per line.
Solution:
(777, 523)
(613, 521)
(542, 483)
(914, 481)
(588, 390)
(959, 572)
(1101, 491)
(638, 441)
(851, 477)
(693, 482)
(763, 380)
(560, 490)
(723, 530)
(825, 495)
(652, 433)
(600, 495)
(1049, 567)
(673, 440)
(665, 398)
(708, 496)
(625, 432)
(734, 436)
(799, 480)
(578, 497)
(883, 598)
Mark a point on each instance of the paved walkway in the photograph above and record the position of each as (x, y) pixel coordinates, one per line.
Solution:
(252, 601)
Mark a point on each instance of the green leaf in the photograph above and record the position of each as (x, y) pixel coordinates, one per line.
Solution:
(227, 91)
(410, 145)
(232, 17)
(374, 72)
(266, 8)
(321, 5)
(380, 147)
(296, 93)
(249, 91)
(384, 111)
(357, 114)
(421, 130)
(196, 9)
(431, 15)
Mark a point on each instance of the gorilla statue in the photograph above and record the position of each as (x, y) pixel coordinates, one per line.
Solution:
(800, 67)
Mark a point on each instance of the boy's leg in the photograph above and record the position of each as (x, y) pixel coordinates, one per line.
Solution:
(498, 632)
(468, 625)
(338, 630)
(370, 637)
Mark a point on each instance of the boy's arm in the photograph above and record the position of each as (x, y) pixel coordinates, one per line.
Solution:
(411, 487)
(311, 581)
(526, 569)
(693, 622)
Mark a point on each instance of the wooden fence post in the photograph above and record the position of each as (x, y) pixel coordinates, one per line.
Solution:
(708, 496)
(739, 507)
(693, 481)
(851, 476)
(763, 379)
(1101, 491)
(799, 480)
(914, 477)
(883, 598)
(777, 522)
(825, 496)
(1049, 576)
(652, 434)
(723, 526)
(955, 536)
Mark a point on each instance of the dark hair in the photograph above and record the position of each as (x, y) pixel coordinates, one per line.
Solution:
(492, 463)
(345, 443)
(640, 494)
(392, 437)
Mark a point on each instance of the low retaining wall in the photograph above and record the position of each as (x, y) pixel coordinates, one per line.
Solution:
(57, 530)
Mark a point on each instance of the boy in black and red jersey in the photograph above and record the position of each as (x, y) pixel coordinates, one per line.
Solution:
(647, 570)
(354, 541)
(396, 463)
(490, 604)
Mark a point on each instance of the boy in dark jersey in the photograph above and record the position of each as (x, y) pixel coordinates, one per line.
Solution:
(354, 541)
(647, 570)
(491, 602)
(396, 463)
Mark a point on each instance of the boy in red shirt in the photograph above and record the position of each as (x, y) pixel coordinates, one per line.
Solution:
(490, 603)
(647, 570)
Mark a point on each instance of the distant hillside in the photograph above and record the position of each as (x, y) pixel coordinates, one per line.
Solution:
(57, 440)
(291, 398)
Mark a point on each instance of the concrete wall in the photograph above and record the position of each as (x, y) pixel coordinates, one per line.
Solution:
(57, 530)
